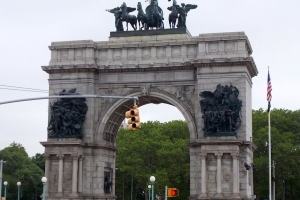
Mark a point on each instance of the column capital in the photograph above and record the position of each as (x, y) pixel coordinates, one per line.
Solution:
(203, 155)
(60, 156)
(80, 157)
(235, 155)
(219, 154)
(75, 156)
(47, 156)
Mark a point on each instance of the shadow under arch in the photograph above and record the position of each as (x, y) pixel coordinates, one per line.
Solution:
(114, 116)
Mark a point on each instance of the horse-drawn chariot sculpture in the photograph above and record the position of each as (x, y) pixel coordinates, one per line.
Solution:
(152, 18)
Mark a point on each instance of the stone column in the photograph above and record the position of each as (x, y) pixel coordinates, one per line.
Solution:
(219, 194)
(183, 49)
(236, 175)
(80, 174)
(60, 173)
(47, 168)
(153, 53)
(124, 54)
(110, 54)
(203, 194)
(74, 175)
(169, 52)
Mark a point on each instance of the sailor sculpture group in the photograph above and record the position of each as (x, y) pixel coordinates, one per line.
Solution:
(153, 18)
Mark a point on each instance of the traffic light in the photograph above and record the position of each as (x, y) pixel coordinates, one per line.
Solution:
(248, 167)
(173, 192)
(133, 118)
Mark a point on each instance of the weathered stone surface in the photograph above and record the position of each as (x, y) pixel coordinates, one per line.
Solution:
(172, 68)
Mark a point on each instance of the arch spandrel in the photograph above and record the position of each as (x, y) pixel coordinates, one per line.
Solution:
(114, 116)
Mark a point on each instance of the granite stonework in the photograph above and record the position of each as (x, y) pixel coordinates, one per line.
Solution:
(172, 68)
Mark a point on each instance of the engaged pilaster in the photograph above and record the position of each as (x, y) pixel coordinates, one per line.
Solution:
(80, 174)
(203, 194)
(47, 167)
(236, 175)
(74, 176)
(219, 194)
(60, 173)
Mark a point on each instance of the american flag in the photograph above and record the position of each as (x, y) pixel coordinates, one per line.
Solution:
(269, 92)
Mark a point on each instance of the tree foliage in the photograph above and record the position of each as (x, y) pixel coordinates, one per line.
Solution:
(158, 149)
(285, 141)
(19, 167)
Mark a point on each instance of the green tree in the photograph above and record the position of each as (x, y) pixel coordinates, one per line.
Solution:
(19, 167)
(285, 132)
(158, 149)
(39, 160)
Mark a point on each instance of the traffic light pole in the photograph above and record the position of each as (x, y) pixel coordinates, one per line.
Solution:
(166, 192)
(1, 167)
(72, 96)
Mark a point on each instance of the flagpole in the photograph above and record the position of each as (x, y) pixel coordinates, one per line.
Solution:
(270, 176)
(269, 97)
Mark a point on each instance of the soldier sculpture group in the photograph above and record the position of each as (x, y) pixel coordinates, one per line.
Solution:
(153, 18)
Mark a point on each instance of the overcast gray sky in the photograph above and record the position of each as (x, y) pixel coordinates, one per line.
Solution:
(28, 27)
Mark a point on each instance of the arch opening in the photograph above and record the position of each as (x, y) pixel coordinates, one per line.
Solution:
(108, 127)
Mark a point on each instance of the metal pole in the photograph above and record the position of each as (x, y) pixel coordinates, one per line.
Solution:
(153, 191)
(1, 167)
(270, 174)
(71, 96)
(18, 192)
(5, 192)
(166, 193)
(44, 191)
(283, 190)
(131, 185)
(149, 191)
(252, 186)
(274, 180)
(1, 161)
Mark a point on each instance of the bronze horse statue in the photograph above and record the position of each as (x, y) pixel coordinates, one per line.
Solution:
(128, 18)
(157, 17)
(142, 18)
(173, 16)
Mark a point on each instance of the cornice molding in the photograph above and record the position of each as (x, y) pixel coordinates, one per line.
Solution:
(77, 144)
(98, 68)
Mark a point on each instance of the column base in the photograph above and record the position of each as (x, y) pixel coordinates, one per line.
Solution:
(235, 196)
(219, 196)
(203, 196)
(74, 195)
(59, 194)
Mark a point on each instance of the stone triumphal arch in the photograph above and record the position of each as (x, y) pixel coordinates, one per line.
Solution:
(161, 66)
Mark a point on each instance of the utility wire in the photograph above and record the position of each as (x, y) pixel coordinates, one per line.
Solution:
(23, 88)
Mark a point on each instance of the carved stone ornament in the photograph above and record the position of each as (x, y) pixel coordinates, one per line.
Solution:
(227, 175)
(221, 111)
(212, 176)
(67, 116)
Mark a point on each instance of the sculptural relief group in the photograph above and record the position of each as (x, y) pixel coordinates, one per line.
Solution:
(153, 17)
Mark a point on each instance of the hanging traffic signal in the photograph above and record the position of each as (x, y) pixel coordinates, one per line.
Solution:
(173, 192)
(133, 118)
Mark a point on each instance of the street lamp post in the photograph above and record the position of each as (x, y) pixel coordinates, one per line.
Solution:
(19, 184)
(44, 180)
(149, 191)
(152, 179)
(5, 184)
